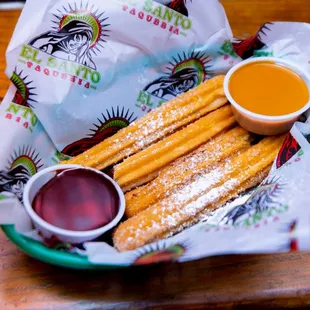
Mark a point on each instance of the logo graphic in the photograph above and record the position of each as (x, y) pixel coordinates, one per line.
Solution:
(55, 243)
(106, 127)
(260, 201)
(290, 229)
(289, 148)
(184, 73)
(246, 48)
(24, 94)
(294, 241)
(154, 254)
(177, 5)
(22, 165)
(77, 35)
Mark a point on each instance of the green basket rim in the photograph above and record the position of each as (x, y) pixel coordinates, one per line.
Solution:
(51, 256)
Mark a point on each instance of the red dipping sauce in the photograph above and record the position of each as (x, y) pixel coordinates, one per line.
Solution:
(77, 200)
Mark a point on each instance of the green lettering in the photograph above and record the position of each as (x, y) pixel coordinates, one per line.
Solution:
(257, 217)
(95, 77)
(270, 212)
(168, 15)
(35, 54)
(177, 19)
(26, 52)
(33, 119)
(148, 6)
(283, 209)
(143, 97)
(74, 68)
(186, 23)
(226, 47)
(30, 54)
(149, 103)
(63, 66)
(262, 53)
(26, 111)
(14, 108)
(247, 222)
(61, 156)
(157, 12)
(229, 49)
(86, 72)
(51, 62)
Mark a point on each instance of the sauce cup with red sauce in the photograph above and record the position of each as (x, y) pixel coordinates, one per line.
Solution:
(73, 203)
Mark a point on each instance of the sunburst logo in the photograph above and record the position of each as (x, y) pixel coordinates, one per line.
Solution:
(79, 32)
(87, 15)
(26, 157)
(246, 48)
(159, 253)
(184, 72)
(22, 165)
(113, 121)
(196, 61)
(288, 150)
(25, 92)
(106, 126)
(262, 200)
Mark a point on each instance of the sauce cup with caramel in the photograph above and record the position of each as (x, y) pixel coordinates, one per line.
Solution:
(72, 203)
(267, 94)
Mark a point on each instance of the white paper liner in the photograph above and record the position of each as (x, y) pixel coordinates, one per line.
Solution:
(136, 53)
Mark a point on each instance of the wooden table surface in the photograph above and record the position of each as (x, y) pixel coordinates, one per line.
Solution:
(230, 282)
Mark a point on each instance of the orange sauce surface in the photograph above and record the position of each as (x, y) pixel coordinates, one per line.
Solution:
(268, 89)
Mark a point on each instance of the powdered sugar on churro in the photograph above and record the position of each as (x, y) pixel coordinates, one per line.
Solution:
(205, 190)
(211, 197)
(159, 155)
(155, 125)
(185, 202)
(183, 169)
(188, 202)
(201, 187)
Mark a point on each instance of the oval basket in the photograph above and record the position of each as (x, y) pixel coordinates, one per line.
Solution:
(51, 256)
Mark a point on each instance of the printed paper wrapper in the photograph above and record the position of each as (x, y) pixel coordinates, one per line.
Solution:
(83, 70)
(93, 67)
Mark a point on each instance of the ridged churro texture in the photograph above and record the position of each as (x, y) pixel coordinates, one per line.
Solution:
(223, 146)
(152, 127)
(205, 190)
(149, 161)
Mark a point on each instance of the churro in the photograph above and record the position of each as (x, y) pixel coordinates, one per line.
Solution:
(163, 121)
(250, 183)
(159, 155)
(204, 191)
(225, 145)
